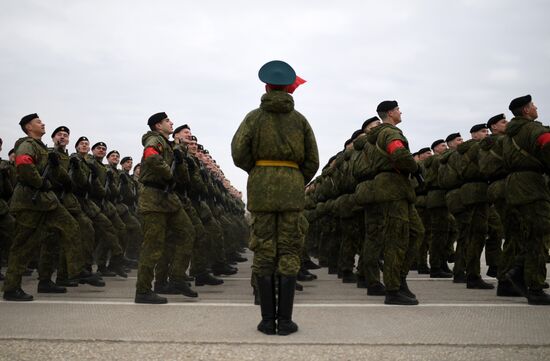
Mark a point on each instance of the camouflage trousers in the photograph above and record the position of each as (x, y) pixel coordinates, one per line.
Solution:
(373, 244)
(160, 230)
(353, 232)
(493, 245)
(133, 235)
(534, 222)
(401, 233)
(477, 215)
(439, 224)
(277, 239)
(512, 237)
(53, 256)
(32, 228)
(120, 231)
(7, 231)
(424, 246)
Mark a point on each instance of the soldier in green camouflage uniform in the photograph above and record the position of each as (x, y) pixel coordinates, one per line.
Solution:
(373, 245)
(163, 215)
(491, 165)
(37, 210)
(129, 196)
(7, 222)
(51, 254)
(424, 157)
(393, 164)
(473, 194)
(276, 146)
(526, 153)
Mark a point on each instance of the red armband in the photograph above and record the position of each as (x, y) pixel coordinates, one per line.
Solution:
(23, 159)
(149, 151)
(394, 145)
(543, 139)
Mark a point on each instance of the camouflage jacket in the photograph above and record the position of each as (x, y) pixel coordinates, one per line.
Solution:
(158, 175)
(474, 189)
(526, 160)
(30, 193)
(276, 132)
(492, 167)
(392, 168)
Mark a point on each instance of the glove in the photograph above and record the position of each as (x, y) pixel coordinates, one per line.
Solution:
(74, 162)
(46, 185)
(178, 156)
(93, 169)
(53, 158)
(110, 175)
(190, 164)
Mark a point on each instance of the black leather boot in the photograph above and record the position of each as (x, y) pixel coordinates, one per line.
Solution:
(47, 286)
(348, 277)
(538, 297)
(207, 279)
(149, 297)
(219, 269)
(266, 293)
(309, 264)
(515, 276)
(506, 289)
(476, 282)
(397, 298)
(17, 295)
(376, 289)
(92, 279)
(304, 276)
(439, 273)
(184, 288)
(116, 265)
(404, 288)
(285, 325)
(103, 271)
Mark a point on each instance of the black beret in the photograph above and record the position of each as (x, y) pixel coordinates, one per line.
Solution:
(61, 129)
(125, 159)
(180, 128)
(28, 118)
(368, 121)
(437, 142)
(414, 154)
(494, 120)
(80, 140)
(520, 102)
(452, 136)
(1, 141)
(99, 144)
(156, 118)
(113, 151)
(424, 150)
(478, 127)
(12, 150)
(347, 142)
(277, 72)
(386, 106)
(200, 147)
(193, 138)
(206, 151)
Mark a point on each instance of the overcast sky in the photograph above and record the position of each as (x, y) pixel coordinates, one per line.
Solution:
(103, 67)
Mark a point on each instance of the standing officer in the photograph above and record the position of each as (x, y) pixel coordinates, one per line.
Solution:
(276, 146)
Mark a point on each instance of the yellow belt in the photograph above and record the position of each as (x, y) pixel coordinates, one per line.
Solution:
(277, 163)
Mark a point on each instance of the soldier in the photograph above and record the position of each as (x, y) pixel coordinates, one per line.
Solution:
(162, 213)
(7, 222)
(493, 168)
(393, 163)
(37, 210)
(473, 195)
(129, 196)
(420, 263)
(103, 196)
(276, 146)
(439, 215)
(526, 153)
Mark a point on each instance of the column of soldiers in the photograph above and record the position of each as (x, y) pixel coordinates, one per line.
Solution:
(62, 214)
(395, 211)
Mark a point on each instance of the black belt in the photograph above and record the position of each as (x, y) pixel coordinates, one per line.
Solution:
(154, 185)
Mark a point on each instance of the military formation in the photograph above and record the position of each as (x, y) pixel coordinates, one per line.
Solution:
(84, 217)
(396, 211)
(375, 213)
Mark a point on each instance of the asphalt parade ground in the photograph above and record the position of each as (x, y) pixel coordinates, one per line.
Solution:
(337, 322)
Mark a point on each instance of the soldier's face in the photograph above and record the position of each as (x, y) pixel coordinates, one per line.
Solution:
(137, 171)
(186, 133)
(192, 147)
(61, 139)
(440, 148)
(99, 151)
(499, 127)
(36, 126)
(425, 155)
(127, 166)
(531, 111)
(12, 157)
(371, 126)
(453, 144)
(113, 159)
(83, 147)
(165, 126)
(395, 114)
(480, 134)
